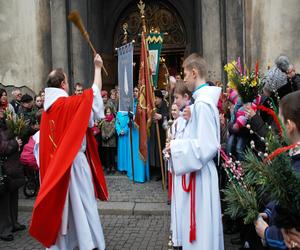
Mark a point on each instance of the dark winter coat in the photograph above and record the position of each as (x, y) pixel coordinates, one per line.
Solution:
(16, 105)
(108, 132)
(9, 154)
(273, 235)
(295, 82)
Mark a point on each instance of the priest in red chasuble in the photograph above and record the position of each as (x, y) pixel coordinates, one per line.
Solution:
(65, 213)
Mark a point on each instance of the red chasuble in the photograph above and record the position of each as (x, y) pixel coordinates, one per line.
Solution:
(62, 130)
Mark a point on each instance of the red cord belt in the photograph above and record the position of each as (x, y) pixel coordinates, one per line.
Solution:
(191, 189)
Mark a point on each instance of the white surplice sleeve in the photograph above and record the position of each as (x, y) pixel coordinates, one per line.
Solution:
(193, 153)
(36, 138)
(97, 106)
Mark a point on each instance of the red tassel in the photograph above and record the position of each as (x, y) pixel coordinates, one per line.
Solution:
(274, 116)
(170, 182)
(191, 188)
(279, 151)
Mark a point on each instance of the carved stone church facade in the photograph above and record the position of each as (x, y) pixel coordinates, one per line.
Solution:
(36, 36)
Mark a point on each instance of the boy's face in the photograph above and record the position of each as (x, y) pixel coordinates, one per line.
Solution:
(190, 78)
(78, 90)
(104, 98)
(27, 105)
(179, 100)
(175, 111)
(158, 101)
(136, 93)
(289, 125)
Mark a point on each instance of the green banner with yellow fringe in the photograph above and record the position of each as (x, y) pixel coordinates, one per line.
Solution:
(155, 41)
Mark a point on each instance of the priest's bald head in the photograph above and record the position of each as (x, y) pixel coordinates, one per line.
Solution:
(58, 79)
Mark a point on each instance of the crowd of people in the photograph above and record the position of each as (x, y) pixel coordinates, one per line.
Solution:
(193, 145)
(28, 109)
(192, 121)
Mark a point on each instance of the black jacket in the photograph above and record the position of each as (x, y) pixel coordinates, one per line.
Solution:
(9, 154)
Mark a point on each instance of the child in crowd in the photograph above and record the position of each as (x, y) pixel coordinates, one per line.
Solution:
(170, 135)
(182, 98)
(108, 132)
(237, 139)
(113, 101)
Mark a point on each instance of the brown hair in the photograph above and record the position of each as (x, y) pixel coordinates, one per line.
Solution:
(78, 84)
(55, 78)
(197, 62)
(181, 89)
(108, 107)
(290, 108)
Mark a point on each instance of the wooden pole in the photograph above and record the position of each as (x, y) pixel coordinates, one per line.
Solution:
(130, 115)
(141, 6)
(160, 156)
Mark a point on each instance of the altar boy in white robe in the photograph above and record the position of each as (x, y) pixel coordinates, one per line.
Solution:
(182, 98)
(192, 158)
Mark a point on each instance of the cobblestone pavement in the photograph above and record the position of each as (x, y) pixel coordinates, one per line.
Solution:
(124, 231)
(120, 188)
(121, 232)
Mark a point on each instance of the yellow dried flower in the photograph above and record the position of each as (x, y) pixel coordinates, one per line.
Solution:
(253, 83)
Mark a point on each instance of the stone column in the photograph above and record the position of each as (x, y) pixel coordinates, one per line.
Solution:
(25, 38)
(59, 39)
(272, 28)
(81, 57)
(198, 26)
(211, 38)
(234, 29)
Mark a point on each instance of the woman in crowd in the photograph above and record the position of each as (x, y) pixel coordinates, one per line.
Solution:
(38, 102)
(108, 131)
(4, 102)
(9, 162)
(141, 168)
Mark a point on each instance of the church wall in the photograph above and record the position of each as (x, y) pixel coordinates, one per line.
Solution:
(35, 35)
(211, 35)
(59, 38)
(272, 28)
(25, 54)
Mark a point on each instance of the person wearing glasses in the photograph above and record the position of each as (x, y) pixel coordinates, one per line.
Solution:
(16, 102)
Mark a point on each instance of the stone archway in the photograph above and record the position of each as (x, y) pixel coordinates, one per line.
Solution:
(158, 14)
(162, 15)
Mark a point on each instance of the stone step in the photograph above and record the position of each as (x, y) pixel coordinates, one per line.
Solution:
(116, 207)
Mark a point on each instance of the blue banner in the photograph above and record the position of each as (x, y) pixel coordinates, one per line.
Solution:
(125, 77)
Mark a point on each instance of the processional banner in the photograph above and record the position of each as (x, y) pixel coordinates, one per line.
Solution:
(125, 77)
(155, 41)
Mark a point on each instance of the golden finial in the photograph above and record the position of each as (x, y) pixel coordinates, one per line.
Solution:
(141, 5)
(125, 27)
